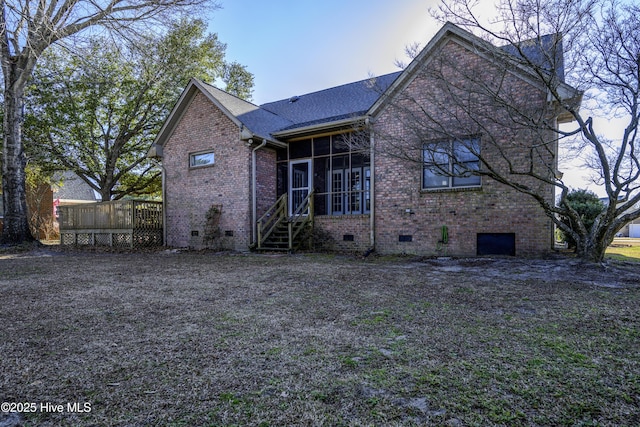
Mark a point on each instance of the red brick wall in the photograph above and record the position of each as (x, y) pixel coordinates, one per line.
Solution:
(331, 231)
(190, 192)
(266, 179)
(402, 208)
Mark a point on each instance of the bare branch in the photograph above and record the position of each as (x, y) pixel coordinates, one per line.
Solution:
(534, 63)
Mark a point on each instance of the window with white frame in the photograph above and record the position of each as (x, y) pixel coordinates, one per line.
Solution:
(451, 164)
(203, 158)
(350, 190)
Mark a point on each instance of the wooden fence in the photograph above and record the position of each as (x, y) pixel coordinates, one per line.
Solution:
(122, 223)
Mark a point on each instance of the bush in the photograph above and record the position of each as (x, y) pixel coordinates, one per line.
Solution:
(587, 204)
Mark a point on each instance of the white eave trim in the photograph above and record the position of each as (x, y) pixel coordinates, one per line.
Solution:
(181, 107)
(319, 127)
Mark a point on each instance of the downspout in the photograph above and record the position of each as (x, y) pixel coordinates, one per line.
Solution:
(372, 198)
(254, 192)
(164, 201)
(557, 175)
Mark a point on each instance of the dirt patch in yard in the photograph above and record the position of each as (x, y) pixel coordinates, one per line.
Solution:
(197, 338)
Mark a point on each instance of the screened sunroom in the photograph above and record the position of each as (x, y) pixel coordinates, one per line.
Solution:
(338, 172)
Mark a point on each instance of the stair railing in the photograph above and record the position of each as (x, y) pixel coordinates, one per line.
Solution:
(268, 222)
(278, 214)
(302, 217)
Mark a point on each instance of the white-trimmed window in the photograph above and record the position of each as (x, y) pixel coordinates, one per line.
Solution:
(451, 164)
(201, 159)
(350, 191)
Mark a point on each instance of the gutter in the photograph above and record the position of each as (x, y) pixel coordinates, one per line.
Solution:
(247, 136)
(319, 127)
(155, 154)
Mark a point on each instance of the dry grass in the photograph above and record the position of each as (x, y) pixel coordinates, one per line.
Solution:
(202, 339)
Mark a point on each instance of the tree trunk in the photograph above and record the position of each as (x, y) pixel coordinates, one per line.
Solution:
(591, 250)
(106, 186)
(105, 195)
(14, 195)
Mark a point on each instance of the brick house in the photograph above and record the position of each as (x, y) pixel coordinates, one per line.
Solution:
(232, 170)
(39, 210)
(65, 188)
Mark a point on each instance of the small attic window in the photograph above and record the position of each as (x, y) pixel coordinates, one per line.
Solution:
(205, 158)
(293, 99)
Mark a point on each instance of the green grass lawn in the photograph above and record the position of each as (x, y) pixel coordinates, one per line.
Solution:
(624, 250)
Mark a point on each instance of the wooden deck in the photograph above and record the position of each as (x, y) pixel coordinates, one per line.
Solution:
(121, 223)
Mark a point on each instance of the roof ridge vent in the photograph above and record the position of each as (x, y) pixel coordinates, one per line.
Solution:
(293, 99)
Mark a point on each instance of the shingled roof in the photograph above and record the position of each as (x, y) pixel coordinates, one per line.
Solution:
(339, 106)
(259, 120)
(325, 106)
(71, 187)
(328, 105)
(545, 52)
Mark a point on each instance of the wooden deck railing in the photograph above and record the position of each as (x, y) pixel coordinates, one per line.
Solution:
(273, 217)
(118, 223)
(277, 217)
(301, 218)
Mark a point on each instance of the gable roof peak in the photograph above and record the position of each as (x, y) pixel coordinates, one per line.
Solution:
(546, 54)
(213, 88)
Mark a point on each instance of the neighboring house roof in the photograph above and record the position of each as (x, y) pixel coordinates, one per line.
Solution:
(72, 187)
(340, 105)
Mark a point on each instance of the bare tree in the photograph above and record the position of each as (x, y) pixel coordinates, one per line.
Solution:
(573, 60)
(27, 29)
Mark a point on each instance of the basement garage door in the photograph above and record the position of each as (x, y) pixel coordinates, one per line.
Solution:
(496, 244)
(634, 230)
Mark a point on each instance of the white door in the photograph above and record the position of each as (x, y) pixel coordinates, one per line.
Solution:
(351, 191)
(299, 184)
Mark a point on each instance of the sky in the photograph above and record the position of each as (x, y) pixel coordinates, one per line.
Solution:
(294, 47)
